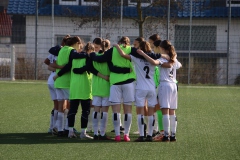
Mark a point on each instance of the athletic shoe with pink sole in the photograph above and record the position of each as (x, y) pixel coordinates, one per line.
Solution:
(126, 138)
(117, 139)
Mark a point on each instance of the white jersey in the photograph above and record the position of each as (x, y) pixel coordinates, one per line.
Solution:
(176, 66)
(145, 74)
(52, 58)
(166, 74)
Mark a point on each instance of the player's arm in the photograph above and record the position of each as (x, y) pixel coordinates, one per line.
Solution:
(47, 61)
(107, 56)
(117, 69)
(51, 69)
(120, 51)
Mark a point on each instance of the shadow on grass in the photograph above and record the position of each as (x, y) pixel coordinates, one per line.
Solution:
(42, 138)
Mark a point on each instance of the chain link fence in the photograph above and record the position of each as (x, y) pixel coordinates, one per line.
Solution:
(205, 33)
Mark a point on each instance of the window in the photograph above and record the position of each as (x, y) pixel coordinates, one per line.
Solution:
(203, 37)
(90, 2)
(68, 2)
(234, 3)
(18, 29)
(144, 3)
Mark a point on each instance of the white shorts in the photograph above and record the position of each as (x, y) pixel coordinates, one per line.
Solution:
(167, 95)
(100, 101)
(62, 93)
(142, 95)
(122, 93)
(52, 91)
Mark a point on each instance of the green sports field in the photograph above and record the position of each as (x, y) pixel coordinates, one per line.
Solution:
(208, 127)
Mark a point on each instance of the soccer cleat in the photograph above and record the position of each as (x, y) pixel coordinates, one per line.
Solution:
(165, 139)
(117, 139)
(126, 138)
(140, 139)
(149, 139)
(75, 131)
(50, 131)
(105, 137)
(158, 138)
(85, 136)
(173, 139)
(155, 133)
(54, 131)
(71, 135)
(95, 137)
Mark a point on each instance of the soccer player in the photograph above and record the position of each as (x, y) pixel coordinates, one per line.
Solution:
(122, 85)
(62, 83)
(167, 93)
(52, 91)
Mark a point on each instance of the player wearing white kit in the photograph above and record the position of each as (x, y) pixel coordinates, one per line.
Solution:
(144, 90)
(53, 94)
(167, 92)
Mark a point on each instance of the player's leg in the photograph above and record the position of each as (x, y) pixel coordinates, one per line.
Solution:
(151, 97)
(172, 114)
(115, 99)
(84, 118)
(60, 116)
(128, 99)
(104, 119)
(95, 114)
(71, 116)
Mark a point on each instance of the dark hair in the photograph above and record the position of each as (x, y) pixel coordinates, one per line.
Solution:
(89, 47)
(105, 45)
(154, 37)
(139, 39)
(63, 43)
(170, 48)
(145, 46)
(157, 43)
(125, 41)
(98, 41)
(72, 40)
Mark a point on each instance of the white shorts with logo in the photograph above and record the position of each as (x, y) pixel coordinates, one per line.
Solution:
(52, 91)
(142, 95)
(100, 101)
(122, 93)
(167, 95)
(62, 93)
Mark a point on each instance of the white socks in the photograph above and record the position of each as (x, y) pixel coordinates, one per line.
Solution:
(55, 113)
(51, 121)
(116, 123)
(90, 125)
(140, 121)
(173, 124)
(103, 123)
(66, 119)
(150, 125)
(60, 118)
(166, 124)
(156, 122)
(94, 118)
(127, 123)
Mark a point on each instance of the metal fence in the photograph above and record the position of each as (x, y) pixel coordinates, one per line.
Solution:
(205, 33)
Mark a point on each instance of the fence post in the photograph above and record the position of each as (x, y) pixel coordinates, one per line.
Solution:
(12, 63)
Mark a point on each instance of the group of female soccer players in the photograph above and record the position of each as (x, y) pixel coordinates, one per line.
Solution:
(99, 76)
